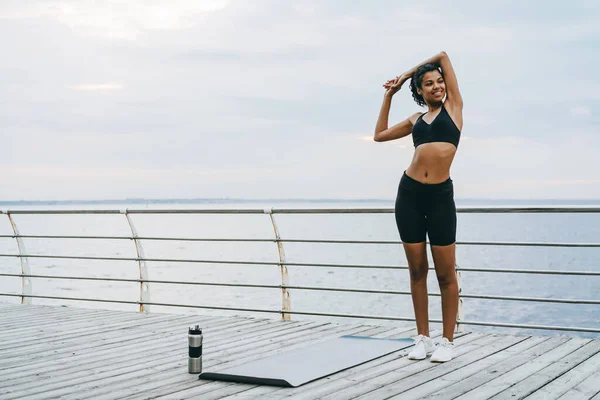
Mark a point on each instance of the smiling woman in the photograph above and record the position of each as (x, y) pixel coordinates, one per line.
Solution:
(425, 201)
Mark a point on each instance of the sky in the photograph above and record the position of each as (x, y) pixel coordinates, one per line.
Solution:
(279, 99)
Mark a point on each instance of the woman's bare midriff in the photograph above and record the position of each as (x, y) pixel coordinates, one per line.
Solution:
(431, 162)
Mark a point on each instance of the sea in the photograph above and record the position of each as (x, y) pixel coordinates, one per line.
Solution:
(479, 227)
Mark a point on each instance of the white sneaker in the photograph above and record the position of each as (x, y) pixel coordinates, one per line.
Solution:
(444, 351)
(423, 347)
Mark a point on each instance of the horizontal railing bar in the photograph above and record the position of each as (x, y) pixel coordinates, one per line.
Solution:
(144, 303)
(464, 243)
(269, 240)
(388, 210)
(325, 289)
(527, 244)
(134, 211)
(379, 317)
(530, 299)
(478, 210)
(137, 237)
(139, 259)
(65, 237)
(526, 326)
(15, 212)
(318, 265)
(468, 296)
(85, 278)
(531, 271)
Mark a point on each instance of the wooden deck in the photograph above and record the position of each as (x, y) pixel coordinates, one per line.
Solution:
(71, 353)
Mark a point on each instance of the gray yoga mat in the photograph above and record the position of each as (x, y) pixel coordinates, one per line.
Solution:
(299, 366)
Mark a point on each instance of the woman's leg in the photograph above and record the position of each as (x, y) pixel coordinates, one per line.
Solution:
(441, 225)
(412, 228)
(416, 254)
(444, 258)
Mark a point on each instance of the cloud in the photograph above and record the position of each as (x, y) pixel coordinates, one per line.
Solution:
(116, 19)
(190, 86)
(97, 87)
(580, 111)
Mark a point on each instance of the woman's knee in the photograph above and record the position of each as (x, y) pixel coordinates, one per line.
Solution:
(446, 279)
(418, 272)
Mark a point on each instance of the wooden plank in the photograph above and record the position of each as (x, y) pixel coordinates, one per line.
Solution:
(408, 379)
(8, 332)
(504, 381)
(73, 338)
(207, 389)
(155, 365)
(104, 352)
(309, 388)
(587, 389)
(27, 314)
(174, 375)
(136, 370)
(183, 392)
(177, 341)
(18, 307)
(472, 376)
(43, 335)
(64, 388)
(27, 311)
(547, 374)
(40, 318)
(339, 381)
(566, 381)
(335, 384)
(176, 379)
(108, 365)
(419, 385)
(113, 357)
(390, 372)
(25, 308)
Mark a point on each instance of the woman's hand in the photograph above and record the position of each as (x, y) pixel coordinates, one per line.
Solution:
(393, 85)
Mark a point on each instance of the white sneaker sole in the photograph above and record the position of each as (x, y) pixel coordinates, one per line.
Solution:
(421, 358)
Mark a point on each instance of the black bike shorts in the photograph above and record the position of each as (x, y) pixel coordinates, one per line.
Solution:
(426, 209)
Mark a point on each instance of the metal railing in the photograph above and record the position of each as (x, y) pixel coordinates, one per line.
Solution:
(285, 311)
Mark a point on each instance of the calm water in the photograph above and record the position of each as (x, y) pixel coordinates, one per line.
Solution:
(576, 228)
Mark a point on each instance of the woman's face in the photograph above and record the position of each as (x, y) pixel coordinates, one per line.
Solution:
(433, 87)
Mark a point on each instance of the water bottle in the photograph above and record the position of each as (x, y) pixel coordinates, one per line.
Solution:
(195, 349)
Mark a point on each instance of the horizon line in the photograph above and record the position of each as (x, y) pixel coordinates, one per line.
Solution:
(291, 199)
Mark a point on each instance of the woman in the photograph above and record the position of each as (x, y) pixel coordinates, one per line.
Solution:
(425, 201)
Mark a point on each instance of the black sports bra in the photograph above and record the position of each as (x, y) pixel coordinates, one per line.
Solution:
(441, 129)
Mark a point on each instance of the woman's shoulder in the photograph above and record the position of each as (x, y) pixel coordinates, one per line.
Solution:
(415, 117)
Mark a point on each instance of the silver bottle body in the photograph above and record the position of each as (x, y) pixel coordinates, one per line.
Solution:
(195, 342)
(195, 365)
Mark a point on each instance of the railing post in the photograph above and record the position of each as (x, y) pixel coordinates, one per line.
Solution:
(143, 268)
(286, 302)
(26, 289)
(459, 313)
